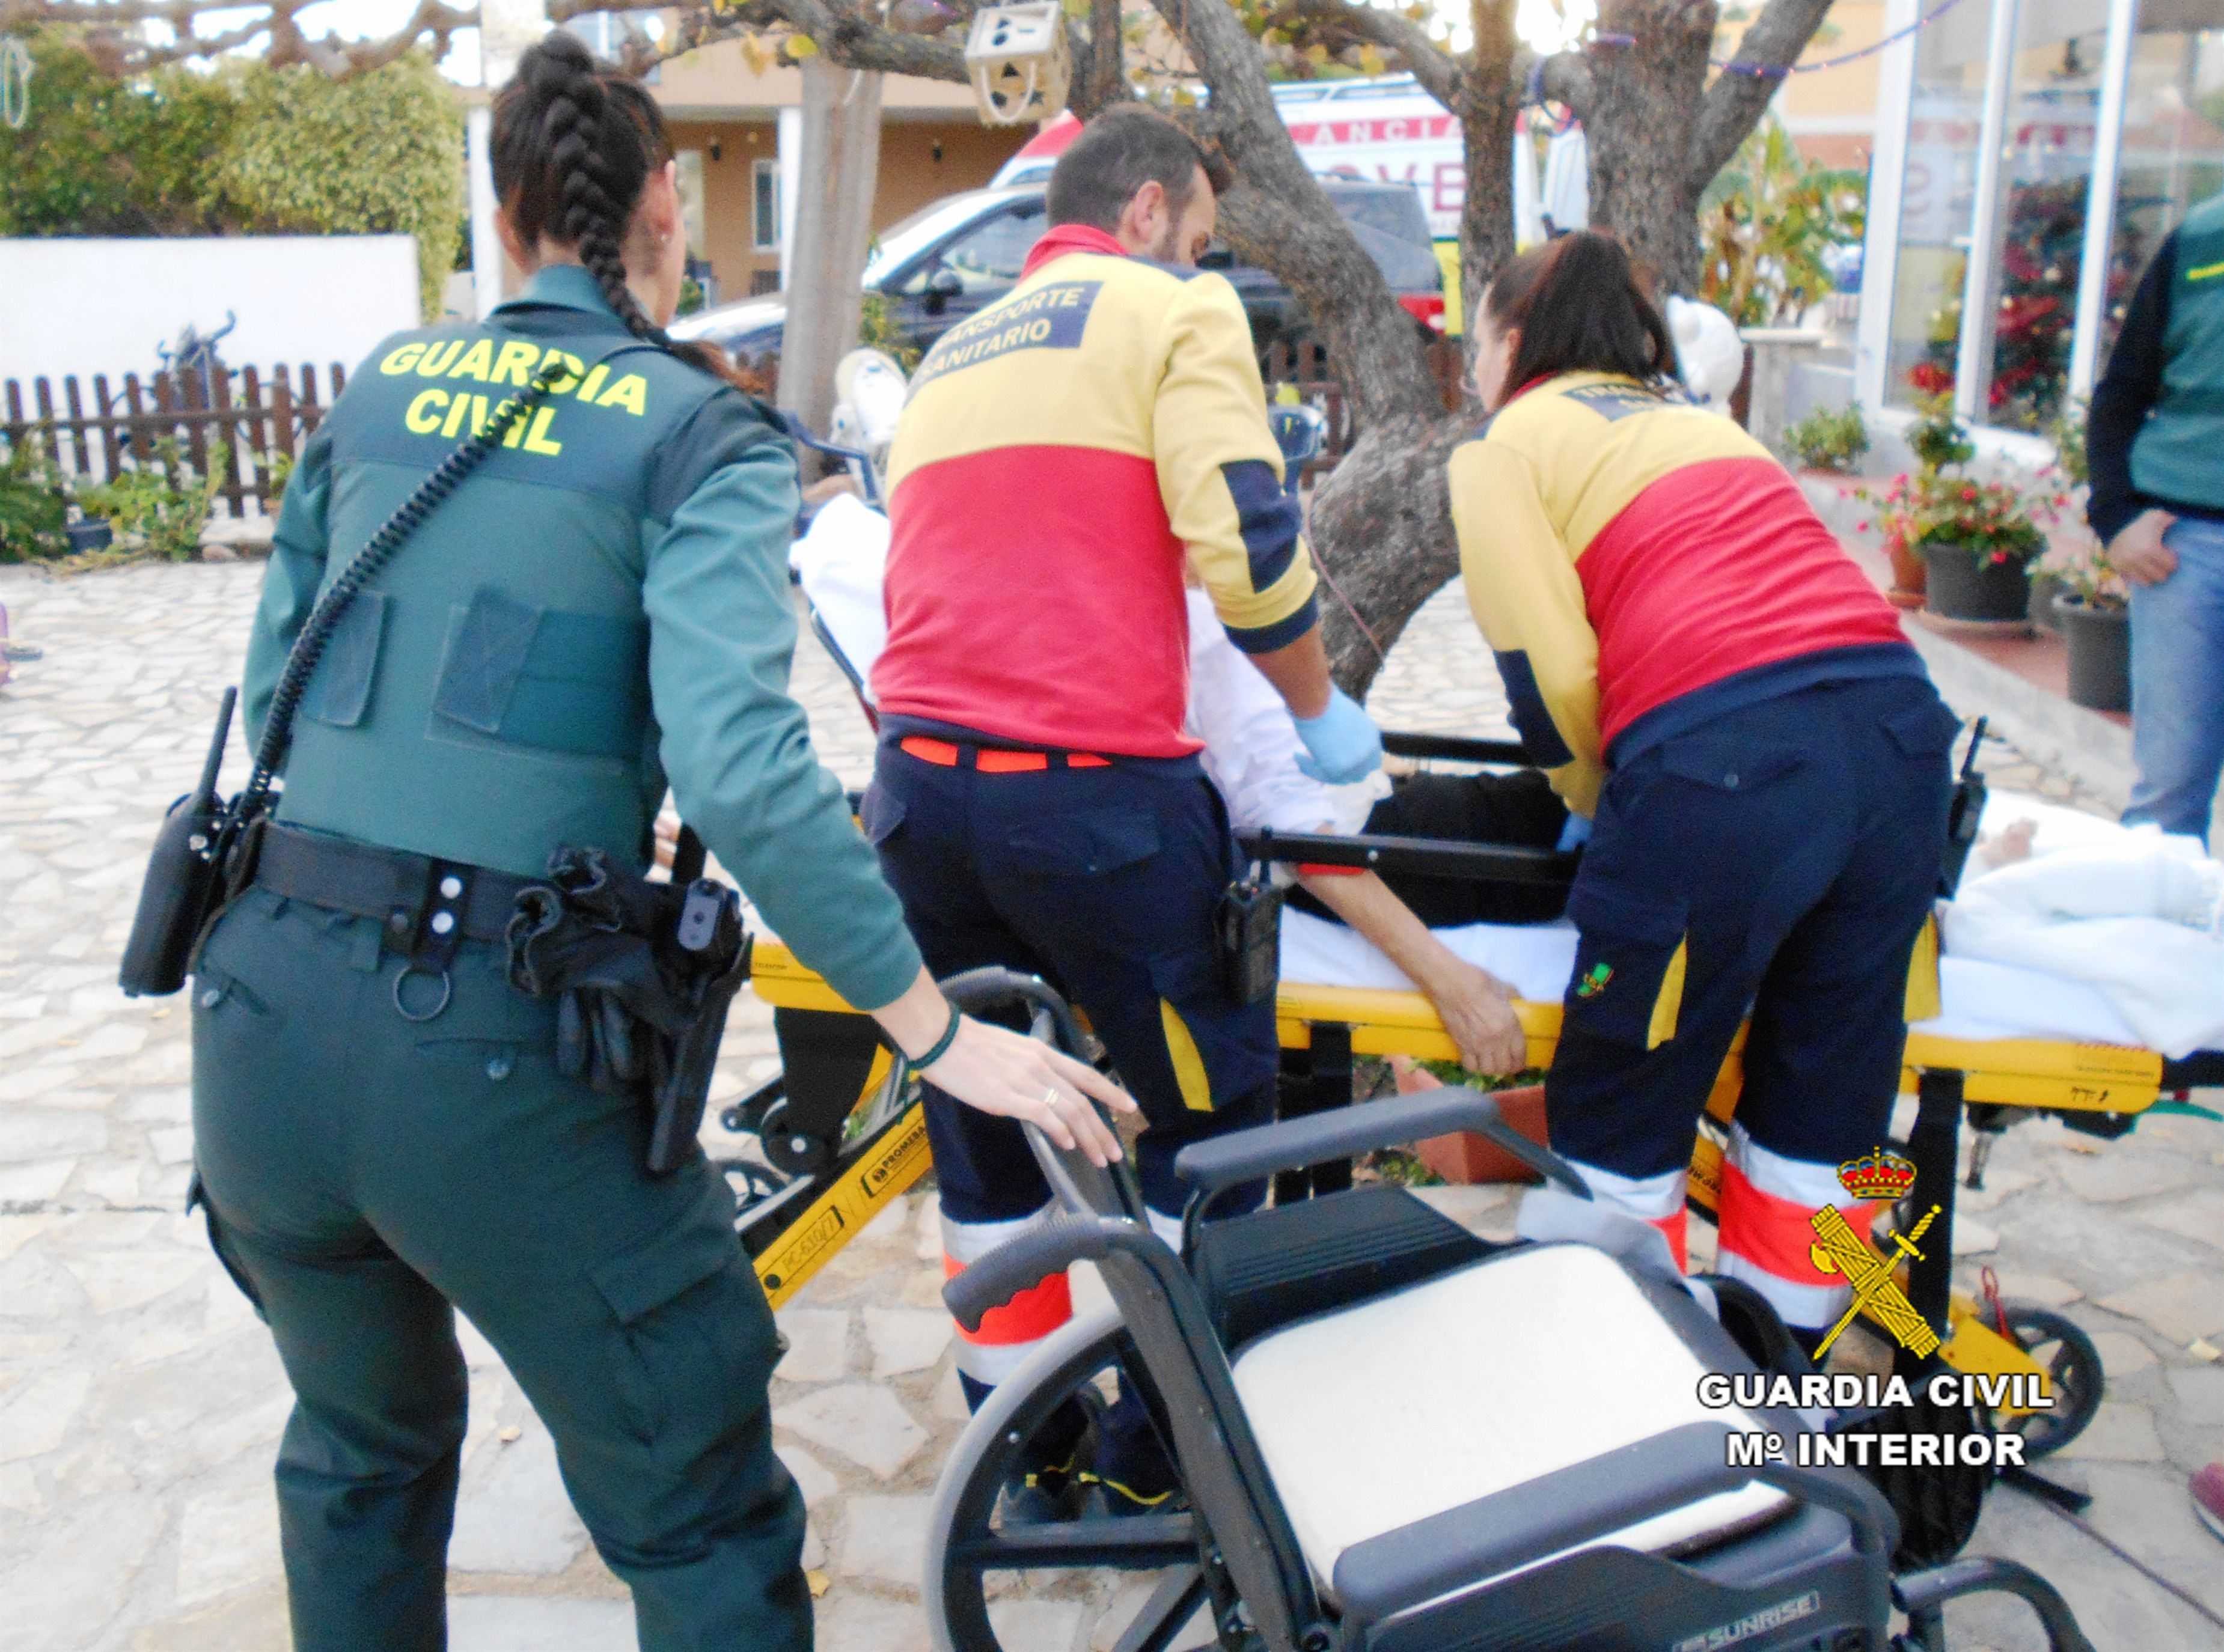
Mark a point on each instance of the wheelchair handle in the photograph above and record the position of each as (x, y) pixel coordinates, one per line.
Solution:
(1582, 1503)
(981, 992)
(1343, 1132)
(1022, 1263)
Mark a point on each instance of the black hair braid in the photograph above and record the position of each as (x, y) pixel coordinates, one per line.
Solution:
(600, 138)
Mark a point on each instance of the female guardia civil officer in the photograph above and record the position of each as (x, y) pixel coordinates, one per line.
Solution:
(1701, 668)
(600, 606)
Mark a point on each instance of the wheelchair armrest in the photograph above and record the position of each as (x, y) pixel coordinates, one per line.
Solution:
(1246, 1155)
(1525, 1523)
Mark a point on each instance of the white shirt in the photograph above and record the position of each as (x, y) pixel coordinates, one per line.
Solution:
(1251, 747)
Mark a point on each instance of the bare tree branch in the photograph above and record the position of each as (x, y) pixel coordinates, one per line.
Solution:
(1100, 69)
(1566, 78)
(1734, 103)
(854, 43)
(334, 56)
(1435, 68)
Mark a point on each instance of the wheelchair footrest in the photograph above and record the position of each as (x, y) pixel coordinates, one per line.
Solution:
(1263, 1271)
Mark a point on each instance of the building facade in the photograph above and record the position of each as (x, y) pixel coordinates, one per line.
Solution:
(2030, 156)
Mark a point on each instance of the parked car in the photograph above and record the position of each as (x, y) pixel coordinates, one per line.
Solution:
(952, 258)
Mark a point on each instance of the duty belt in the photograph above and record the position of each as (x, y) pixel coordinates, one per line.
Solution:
(994, 760)
(426, 907)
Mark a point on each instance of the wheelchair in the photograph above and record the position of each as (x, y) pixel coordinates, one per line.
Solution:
(1393, 1434)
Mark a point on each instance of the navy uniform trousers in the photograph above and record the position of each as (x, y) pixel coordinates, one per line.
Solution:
(1104, 882)
(362, 1173)
(1785, 853)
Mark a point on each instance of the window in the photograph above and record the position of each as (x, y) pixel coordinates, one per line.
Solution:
(2172, 157)
(989, 256)
(2035, 242)
(764, 210)
(1939, 194)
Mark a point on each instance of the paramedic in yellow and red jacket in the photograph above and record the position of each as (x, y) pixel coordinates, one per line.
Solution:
(1064, 455)
(1701, 667)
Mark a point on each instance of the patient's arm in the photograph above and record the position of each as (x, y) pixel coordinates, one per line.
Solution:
(1477, 1008)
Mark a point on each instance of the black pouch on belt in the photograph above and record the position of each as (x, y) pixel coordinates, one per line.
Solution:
(642, 974)
(1250, 923)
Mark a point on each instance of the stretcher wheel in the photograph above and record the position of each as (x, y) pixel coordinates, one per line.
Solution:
(2072, 1364)
(973, 1559)
(788, 1150)
(1938, 1507)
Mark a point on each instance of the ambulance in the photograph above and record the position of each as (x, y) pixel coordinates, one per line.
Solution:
(1385, 129)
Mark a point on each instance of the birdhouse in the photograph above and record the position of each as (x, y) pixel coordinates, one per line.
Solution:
(1020, 62)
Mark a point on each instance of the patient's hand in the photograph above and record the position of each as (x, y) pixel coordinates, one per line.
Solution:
(1477, 1009)
(667, 837)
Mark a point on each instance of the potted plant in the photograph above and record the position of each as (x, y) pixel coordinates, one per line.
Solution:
(1831, 438)
(1974, 539)
(2093, 613)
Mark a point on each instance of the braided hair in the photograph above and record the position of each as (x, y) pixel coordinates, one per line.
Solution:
(574, 147)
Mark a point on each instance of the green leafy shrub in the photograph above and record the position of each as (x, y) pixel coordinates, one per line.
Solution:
(33, 508)
(102, 157)
(1764, 223)
(1830, 438)
(157, 509)
(377, 154)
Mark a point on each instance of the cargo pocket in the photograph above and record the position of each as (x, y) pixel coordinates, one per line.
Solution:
(1727, 763)
(1086, 843)
(339, 692)
(1630, 961)
(693, 1346)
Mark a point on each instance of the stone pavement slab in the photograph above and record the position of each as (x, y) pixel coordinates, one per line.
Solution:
(141, 1402)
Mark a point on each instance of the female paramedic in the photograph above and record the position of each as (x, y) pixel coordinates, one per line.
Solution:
(1702, 670)
(382, 1129)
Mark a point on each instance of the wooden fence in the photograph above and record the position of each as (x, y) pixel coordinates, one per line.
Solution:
(1306, 368)
(240, 422)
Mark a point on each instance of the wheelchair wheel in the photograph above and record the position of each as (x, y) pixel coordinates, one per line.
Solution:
(2072, 1364)
(974, 1561)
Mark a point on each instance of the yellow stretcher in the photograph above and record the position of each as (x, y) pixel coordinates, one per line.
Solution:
(2101, 1089)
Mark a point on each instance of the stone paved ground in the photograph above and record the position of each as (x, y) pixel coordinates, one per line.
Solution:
(140, 1403)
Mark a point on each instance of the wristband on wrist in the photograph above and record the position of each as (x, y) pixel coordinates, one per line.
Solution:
(920, 1063)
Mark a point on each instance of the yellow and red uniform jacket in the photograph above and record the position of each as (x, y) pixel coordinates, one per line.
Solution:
(1637, 564)
(1062, 453)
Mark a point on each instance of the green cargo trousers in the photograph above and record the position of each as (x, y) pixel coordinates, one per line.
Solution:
(362, 1174)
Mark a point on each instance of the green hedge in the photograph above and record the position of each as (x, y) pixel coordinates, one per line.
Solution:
(246, 149)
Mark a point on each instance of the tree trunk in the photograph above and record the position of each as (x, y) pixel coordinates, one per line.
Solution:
(833, 232)
(1644, 95)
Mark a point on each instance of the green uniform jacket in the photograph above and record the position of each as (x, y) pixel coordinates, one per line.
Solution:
(603, 603)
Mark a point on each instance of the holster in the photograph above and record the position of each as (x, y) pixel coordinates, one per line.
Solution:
(642, 974)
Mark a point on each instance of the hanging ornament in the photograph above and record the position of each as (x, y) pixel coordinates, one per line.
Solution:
(1020, 62)
(15, 82)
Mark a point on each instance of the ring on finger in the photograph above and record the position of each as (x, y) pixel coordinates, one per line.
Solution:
(1051, 1097)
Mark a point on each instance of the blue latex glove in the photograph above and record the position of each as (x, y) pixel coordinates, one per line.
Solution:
(1576, 832)
(1343, 744)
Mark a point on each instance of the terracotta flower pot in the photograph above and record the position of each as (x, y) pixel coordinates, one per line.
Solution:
(1910, 575)
(1968, 584)
(1464, 1159)
(2100, 640)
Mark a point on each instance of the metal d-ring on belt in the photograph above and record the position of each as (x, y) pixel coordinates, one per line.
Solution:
(426, 907)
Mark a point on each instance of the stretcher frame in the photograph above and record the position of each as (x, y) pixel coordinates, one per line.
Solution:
(2097, 1090)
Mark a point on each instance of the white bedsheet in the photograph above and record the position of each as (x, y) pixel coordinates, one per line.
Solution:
(1982, 1000)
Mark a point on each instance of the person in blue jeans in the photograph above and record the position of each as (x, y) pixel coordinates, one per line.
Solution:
(2152, 445)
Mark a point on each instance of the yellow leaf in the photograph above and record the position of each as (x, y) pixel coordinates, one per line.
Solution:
(801, 46)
